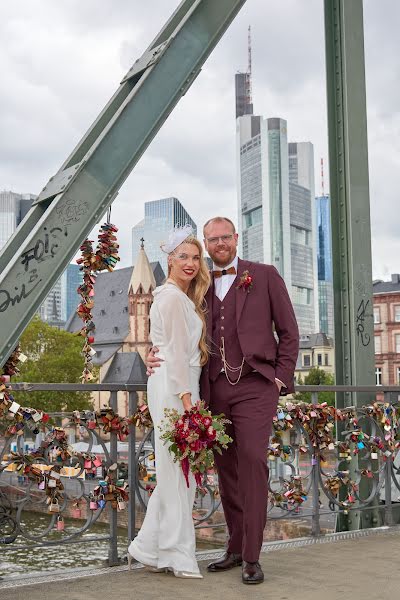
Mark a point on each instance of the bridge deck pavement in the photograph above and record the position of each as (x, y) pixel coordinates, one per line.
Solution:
(364, 567)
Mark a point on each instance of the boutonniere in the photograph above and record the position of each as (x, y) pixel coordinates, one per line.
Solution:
(246, 282)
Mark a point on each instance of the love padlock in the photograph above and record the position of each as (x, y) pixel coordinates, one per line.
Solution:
(101, 501)
(54, 507)
(121, 505)
(93, 504)
(60, 523)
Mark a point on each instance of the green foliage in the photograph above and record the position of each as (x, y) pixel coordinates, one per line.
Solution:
(54, 356)
(317, 376)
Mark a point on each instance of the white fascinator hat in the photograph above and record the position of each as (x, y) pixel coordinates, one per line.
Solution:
(176, 237)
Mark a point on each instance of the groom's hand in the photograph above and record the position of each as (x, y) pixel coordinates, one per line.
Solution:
(152, 361)
(279, 384)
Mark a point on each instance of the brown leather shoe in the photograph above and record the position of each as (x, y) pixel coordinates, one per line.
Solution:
(252, 572)
(229, 561)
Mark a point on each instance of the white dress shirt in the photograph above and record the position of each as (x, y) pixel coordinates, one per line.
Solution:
(224, 283)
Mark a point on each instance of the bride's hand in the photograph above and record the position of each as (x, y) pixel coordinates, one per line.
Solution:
(152, 361)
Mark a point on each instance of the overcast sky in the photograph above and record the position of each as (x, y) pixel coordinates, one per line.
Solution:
(61, 61)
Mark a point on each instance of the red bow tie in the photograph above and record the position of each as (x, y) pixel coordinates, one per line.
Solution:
(230, 271)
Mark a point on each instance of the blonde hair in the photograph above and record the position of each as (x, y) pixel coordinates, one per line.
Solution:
(196, 292)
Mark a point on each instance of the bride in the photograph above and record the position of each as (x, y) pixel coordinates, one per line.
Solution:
(166, 540)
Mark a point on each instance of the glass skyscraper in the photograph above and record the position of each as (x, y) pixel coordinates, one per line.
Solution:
(74, 279)
(160, 217)
(263, 195)
(302, 236)
(275, 205)
(325, 267)
(62, 300)
(13, 208)
(243, 100)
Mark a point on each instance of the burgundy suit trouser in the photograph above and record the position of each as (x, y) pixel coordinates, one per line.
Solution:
(243, 468)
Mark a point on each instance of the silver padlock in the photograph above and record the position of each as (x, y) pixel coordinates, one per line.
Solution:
(121, 505)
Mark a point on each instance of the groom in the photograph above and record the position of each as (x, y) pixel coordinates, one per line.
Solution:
(247, 370)
(249, 366)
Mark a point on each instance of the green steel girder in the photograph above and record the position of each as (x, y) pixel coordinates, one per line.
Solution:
(349, 185)
(75, 199)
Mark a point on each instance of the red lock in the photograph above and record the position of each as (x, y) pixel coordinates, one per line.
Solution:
(60, 523)
(76, 512)
(90, 339)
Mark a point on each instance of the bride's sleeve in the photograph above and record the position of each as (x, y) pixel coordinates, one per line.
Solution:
(177, 342)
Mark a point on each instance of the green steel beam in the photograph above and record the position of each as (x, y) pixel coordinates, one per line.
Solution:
(349, 185)
(74, 200)
(350, 210)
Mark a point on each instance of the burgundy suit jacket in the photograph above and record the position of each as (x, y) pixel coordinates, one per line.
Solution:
(261, 310)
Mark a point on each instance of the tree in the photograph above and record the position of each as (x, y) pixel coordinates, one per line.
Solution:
(54, 356)
(317, 376)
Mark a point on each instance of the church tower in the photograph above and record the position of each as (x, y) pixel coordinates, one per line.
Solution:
(140, 297)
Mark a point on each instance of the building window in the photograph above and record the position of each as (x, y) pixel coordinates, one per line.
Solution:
(319, 360)
(397, 341)
(306, 360)
(377, 314)
(378, 376)
(398, 375)
(377, 340)
(326, 360)
(397, 313)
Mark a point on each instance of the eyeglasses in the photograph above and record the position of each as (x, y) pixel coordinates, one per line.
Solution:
(224, 238)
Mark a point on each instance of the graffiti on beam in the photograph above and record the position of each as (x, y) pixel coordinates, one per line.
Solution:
(19, 294)
(363, 337)
(43, 249)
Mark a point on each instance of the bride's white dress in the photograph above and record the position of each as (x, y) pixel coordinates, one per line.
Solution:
(167, 537)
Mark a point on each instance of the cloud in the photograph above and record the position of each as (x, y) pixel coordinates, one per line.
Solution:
(62, 61)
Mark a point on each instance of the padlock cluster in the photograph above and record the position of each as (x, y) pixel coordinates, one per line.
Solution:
(110, 490)
(335, 483)
(11, 367)
(104, 258)
(142, 417)
(106, 419)
(20, 417)
(292, 495)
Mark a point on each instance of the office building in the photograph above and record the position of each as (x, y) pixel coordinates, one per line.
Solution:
(302, 236)
(386, 311)
(325, 268)
(160, 217)
(13, 208)
(263, 191)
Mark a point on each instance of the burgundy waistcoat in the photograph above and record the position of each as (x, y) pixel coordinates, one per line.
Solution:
(224, 325)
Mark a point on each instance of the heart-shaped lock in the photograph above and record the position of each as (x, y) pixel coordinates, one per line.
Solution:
(101, 501)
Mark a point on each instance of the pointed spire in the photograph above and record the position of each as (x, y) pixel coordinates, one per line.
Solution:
(249, 81)
(142, 275)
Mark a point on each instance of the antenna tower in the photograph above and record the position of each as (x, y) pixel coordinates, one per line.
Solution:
(249, 90)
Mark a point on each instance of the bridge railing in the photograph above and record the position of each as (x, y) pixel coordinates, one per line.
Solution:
(329, 469)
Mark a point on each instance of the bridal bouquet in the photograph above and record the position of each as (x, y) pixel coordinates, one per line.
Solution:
(193, 436)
